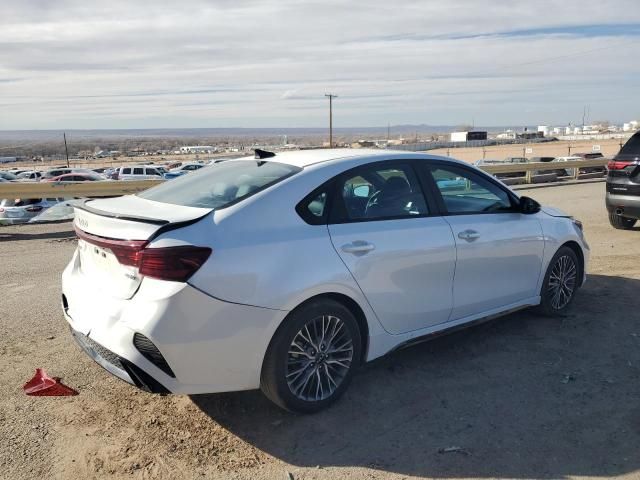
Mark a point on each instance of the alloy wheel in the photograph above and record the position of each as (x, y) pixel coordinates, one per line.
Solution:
(562, 282)
(319, 358)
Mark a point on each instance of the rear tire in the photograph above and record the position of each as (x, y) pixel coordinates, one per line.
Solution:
(620, 222)
(561, 282)
(312, 357)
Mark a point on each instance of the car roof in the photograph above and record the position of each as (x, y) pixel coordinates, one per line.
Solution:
(305, 158)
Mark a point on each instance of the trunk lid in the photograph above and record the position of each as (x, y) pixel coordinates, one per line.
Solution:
(113, 231)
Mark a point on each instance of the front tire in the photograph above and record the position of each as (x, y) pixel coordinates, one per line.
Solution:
(620, 222)
(560, 282)
(312, 357)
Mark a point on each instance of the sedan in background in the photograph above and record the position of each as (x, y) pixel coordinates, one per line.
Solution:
(56, 172)
(9, 177)
(183, 170)
(288, 271)
(22, 210)
(76, 177)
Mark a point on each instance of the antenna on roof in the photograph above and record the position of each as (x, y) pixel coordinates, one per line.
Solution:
(262, 154)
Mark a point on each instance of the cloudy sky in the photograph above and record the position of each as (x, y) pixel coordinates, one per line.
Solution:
(231, 63)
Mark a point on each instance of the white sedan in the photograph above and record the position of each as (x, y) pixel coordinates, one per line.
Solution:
(287, 271)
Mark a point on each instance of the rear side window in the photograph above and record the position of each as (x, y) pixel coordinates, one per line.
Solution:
(221, 185)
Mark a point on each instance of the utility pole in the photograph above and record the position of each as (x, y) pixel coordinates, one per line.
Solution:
(66, 150)
(388, 131)
(331, 96)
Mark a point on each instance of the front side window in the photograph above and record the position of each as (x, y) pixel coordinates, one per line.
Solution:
(126, 171)
(378, 192)
(221, 184)
(467, 192)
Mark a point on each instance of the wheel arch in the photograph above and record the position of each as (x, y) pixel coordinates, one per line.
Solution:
(349, 303)
(577, 249)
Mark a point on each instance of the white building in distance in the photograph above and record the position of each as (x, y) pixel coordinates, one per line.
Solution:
(198, 149)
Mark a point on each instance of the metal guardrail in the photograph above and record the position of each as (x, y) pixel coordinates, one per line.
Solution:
(74, 189)
(122, 187)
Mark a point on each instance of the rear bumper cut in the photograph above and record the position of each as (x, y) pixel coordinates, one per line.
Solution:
(169, 337)
(625, 205)
(118, 366)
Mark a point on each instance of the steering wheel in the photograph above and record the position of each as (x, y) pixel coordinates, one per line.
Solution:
(372, 200)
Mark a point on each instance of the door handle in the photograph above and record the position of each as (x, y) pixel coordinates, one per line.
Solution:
(469, 235)
(358, 246)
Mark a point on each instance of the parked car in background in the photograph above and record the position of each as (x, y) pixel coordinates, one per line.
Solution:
(570, 171)
(560, 172)
(137, 172)
(76, 177)
(506, 161)
(176, 174)
(623, 185)
(18, 171)
(10, 177)
(13, 211)
(56, 172)
(183, 170)
(30, 176)
(188, 167)
(290, 270)
(590, 156)
(172, 165)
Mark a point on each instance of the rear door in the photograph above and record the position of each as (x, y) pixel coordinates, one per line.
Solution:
(399, 253)
(499, 249)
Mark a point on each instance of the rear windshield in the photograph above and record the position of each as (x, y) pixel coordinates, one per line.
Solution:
(632, 147)
(221, 184)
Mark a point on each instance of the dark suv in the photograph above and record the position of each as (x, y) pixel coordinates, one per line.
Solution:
(623, 185)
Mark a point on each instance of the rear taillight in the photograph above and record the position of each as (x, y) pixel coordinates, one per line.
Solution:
(176, 264)
(619, 164)
(1, 209)
(173, 263)
(126, 251)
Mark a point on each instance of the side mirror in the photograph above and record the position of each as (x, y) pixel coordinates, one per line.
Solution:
(529, 206)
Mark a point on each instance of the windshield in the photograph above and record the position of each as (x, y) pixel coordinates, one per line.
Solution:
(220, 185)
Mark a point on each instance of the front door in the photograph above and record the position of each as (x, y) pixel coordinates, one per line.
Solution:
(499, 249)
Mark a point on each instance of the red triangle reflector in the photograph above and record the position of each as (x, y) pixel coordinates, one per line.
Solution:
(42, 385)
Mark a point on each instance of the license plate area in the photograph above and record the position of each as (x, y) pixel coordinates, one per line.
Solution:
(99, 261)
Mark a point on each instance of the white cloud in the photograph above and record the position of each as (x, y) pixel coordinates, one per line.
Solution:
(117, 64)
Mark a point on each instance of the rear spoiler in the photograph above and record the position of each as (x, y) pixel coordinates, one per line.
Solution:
(165, 225)
(154, 221)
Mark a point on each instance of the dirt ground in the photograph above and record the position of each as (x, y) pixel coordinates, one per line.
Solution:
(562, 148)
(520, 397)
(550, 149)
